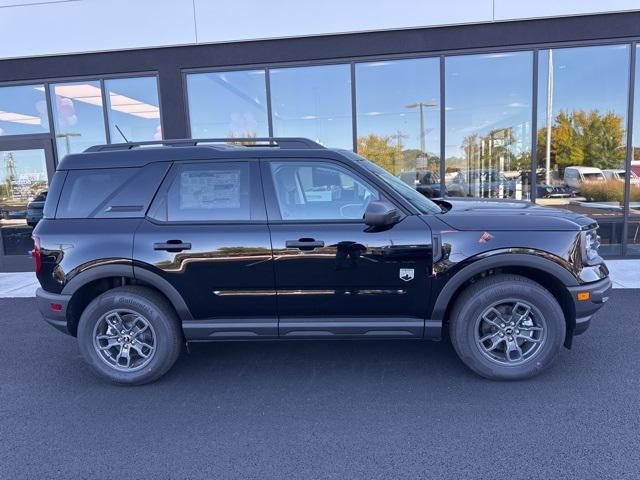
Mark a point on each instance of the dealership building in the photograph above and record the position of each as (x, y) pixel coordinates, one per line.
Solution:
(501, 99)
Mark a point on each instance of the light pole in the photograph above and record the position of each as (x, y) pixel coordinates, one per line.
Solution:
(549, 117)
(421, 106)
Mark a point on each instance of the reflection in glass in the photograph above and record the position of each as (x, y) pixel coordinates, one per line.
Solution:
(633, 232)
(398, 115)
(23, 186)
(78, 116)
(23, 110)
(582, 111)
(133, 109)
(488, 125)
(228, 104)
(313, 102)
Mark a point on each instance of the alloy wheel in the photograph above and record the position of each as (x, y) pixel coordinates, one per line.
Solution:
(510, 332)
(124, 340)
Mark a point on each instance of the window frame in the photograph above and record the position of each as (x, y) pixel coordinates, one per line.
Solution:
(271, 197)
(257, 211)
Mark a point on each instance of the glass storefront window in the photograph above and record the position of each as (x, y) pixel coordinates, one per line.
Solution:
(133, 109)
(313, 102)
(633, 231)
(23, 189)
(581, 138)
(78, 116)
(398, 119)
(488, 125)
(228, 104)
(23, 110)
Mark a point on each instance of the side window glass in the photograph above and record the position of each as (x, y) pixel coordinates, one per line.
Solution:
(320, 191)
(207, 192)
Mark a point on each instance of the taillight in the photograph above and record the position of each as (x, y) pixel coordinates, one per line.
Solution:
(35, 253)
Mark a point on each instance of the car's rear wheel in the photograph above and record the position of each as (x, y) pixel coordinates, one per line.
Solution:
(129, 335)
(507, 327)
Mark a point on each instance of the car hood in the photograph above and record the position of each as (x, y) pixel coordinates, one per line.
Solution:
(510, 215)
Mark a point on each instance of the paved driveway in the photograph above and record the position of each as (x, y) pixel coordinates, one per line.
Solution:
(344, 410)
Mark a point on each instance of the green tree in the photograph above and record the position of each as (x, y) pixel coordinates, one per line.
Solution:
(382, 151)
(584, 138)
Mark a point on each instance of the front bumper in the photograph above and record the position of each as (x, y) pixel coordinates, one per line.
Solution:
(598, 293)
(48, 305)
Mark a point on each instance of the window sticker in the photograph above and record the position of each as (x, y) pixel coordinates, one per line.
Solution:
(210, 189)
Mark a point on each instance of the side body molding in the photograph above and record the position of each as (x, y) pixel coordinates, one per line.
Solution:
(496, 260)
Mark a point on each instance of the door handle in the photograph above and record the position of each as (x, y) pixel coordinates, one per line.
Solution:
(172, 246)
(304, 244)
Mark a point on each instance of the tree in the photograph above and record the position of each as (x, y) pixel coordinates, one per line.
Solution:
(381, 150)
(584, 138)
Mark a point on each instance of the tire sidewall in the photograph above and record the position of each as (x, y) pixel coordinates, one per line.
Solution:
(465, 341)
(162, 328)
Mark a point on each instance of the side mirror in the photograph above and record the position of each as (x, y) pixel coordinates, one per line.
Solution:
(381, 214)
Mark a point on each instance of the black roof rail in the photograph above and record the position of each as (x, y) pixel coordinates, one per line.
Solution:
(286, 143)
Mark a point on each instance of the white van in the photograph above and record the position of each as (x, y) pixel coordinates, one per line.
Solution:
(575, 176)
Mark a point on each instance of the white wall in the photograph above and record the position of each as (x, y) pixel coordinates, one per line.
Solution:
(48, 27)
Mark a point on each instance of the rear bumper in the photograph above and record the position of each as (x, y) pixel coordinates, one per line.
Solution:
(54, 317)
(585, 309)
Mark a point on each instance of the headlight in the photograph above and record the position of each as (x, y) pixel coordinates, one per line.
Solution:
(591, 243)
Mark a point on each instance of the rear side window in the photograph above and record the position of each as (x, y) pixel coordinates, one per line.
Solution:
(55, 188)
(205, 192)
(110, 192)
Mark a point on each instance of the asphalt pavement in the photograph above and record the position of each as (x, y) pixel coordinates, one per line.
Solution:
(312, 409)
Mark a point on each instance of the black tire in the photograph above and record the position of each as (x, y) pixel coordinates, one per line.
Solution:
(155, 310)
(468, 312)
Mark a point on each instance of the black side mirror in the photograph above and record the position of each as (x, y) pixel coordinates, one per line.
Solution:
(381, 214)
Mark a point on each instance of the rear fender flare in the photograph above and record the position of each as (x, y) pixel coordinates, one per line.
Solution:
(127, 271)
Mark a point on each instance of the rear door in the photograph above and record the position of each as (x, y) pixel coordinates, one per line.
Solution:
(335, 276)
(206, 234)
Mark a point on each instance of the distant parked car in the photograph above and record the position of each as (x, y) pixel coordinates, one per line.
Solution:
(427, 182)
(35, 208)
(576, 176)
(620, 175)
(486, 183)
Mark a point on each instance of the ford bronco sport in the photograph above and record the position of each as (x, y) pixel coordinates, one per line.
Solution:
(146, 246)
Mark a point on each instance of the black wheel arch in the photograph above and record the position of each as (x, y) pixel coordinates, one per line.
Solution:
(94, 281)
(541, 267)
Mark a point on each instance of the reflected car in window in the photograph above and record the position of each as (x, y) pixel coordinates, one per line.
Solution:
(619, 175)
(576, 176)
(35, 208)
(487, 183)
(427, 183)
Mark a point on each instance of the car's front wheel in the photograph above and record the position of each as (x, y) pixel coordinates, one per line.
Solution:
(507, 327)
(129, 335)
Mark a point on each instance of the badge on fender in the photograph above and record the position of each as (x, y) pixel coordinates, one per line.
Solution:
(406, 274)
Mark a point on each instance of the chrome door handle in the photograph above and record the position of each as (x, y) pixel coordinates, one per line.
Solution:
(172, 246)
(304, 244)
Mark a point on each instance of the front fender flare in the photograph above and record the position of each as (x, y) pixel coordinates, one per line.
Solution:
(535, 259)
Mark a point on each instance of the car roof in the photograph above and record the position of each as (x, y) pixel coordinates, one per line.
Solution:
(139, 154)
(585, 169)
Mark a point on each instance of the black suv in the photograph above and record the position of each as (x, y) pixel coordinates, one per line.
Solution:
(143, 247)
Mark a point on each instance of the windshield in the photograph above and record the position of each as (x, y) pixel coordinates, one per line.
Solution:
(415, 198)
(592, 177)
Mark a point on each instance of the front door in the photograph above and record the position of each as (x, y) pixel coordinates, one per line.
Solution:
(26, 168)
(335, 276)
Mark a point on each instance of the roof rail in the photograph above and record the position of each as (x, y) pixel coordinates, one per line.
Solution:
(286, 143)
